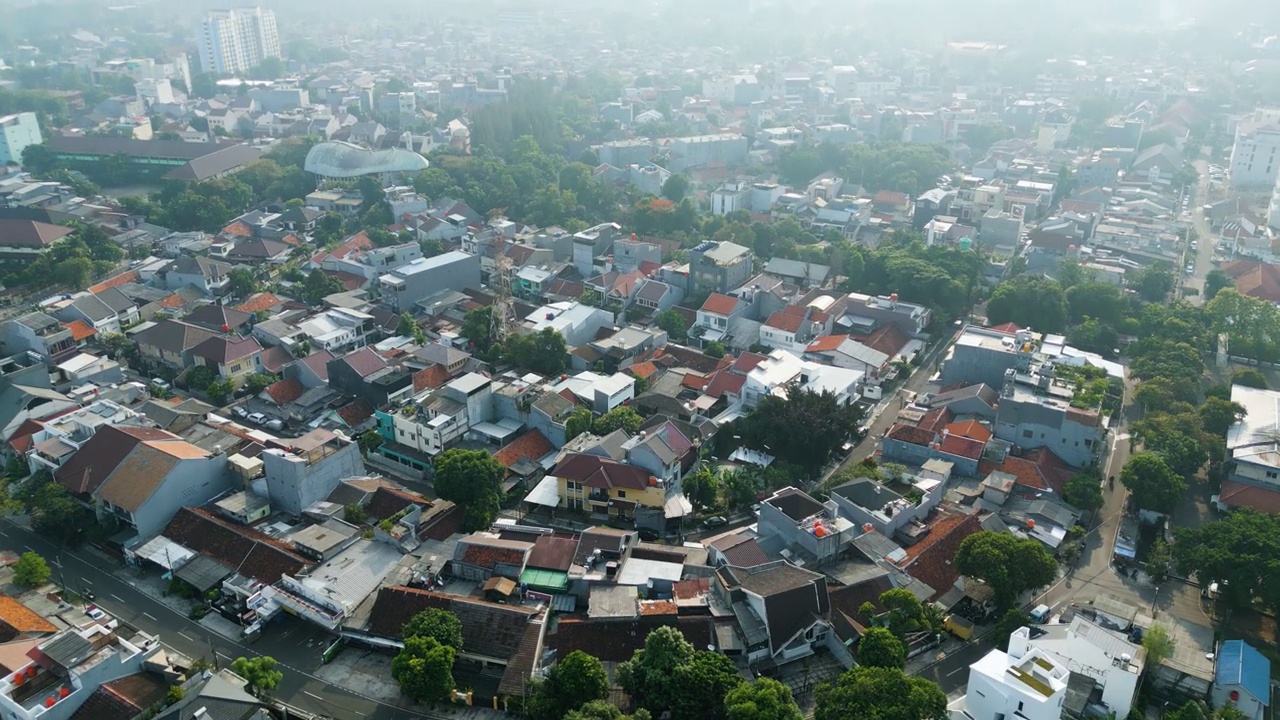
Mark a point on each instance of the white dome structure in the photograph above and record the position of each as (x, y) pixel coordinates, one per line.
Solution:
(337, 159)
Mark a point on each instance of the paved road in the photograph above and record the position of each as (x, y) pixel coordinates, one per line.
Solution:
(294, 644)
(1203, 257)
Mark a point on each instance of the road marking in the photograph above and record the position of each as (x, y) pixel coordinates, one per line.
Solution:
(959, 669)
(187, 636)
(308, 692)
(118, 599)
(149, 615)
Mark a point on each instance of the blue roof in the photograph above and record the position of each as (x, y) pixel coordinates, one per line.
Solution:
(1239, 663)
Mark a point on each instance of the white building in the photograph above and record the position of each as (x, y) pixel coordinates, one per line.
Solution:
(1252, 445)
(1254, 154)
(1029, 686)
(232, 41)
(782, 370)
(16, 133)
(730, 197)
(601, 393)
(1087, 649)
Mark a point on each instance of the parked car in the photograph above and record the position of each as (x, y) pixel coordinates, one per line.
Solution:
(162, 384)
(257, 418)
(275, 424)
(95, 612)
(648, 534)
(714, 521)
(239, 411)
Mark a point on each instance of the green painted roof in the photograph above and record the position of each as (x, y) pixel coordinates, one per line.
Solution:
(549, 580)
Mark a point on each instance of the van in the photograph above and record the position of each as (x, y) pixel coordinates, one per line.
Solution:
(1040, 614)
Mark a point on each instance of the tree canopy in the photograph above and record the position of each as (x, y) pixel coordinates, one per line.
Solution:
(1029, 301)
(1008, 564)
(870, 693)
(1152, 483)
(424, 669)
(761, 699)
(31, 570)
(1240, 552)
(472, 479)
(440, 625)
(881, 648)
(576, 680)
(543, 352)
(804, 429)
(1084, 490)
(669, 675)
(259, 672)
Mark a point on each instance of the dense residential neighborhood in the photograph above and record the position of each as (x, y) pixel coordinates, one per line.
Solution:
(639, 362)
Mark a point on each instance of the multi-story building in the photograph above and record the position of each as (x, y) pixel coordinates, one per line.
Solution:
(1022, 683)
(16, 133)
(1252, 445)
(406, 285)
(718, 267)
(692, 152)
(1254, 154)
(233, 41)
(309, 468)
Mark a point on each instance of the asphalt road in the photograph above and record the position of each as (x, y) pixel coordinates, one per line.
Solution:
(295, 645)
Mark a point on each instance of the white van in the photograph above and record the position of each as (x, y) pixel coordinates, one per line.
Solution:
(1040, 614)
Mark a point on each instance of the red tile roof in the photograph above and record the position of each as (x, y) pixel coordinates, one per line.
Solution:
(1055, 471)
(930, 560)
(551, 552)
(693, 380)
(80, 330)
(826, 343)
(970, 429)
(532, 445)
(962, 447)
(259, 302)
(355, 413)
(910, 434)
(644, 369)
(1240, 495)
(432, 377)
(720, 304)
(1007, 328)
(285, 391)
(726, 382)
(85, 471)
(18, 618)
(889, 340)
(787, 322)
(350, 281)
(1025, 471)
(488, 556)
(127, 276)
(747, 361)
(275, 358)
(224, 350)
(1255, 279)
(935, 420)
(388, 501)
(238, 229)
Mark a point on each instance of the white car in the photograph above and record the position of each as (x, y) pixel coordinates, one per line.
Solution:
(256, 418)
(95, 612)
(239, 411)
(162, 384)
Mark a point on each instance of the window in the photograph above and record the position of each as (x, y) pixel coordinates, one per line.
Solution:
(1271, 474)
(235, 368)
(1027, 433)
(622, 493)
(1019, 706)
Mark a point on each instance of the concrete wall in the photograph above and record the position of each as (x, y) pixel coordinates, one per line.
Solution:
(293, 485)
(191, 482)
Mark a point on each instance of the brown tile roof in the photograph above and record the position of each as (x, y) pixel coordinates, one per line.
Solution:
(173, 336)
(350, 281)
(597, 472)
(80, 330)
(961, 447)
(485, 554)
(143, 470)
(889, 340)
(613, 640)
(726, 382)
(826, 343)
(642, 370)
(285, 391)
(1007, 328)
(1026, 472)
(85, 472)
(259, 302)
(489, 629)
(720, 304)
(318, 363)
(747, 553)
(551, 552)
(910, 434)
(172, 302)
(17, 618)
(239, 228)
(218, 318)
(930, 560)
(123, 699)
(250, 552)
(224, 350)
(30, 233)
(354, 413)
(935, 420)
(532, 445)
(432, 377)
(364, 361)
(388, 501)
(1055, 470)
(275, 358)
(970, 429)
(785, 321)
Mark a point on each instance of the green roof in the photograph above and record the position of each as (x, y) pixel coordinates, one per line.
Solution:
(545, 580)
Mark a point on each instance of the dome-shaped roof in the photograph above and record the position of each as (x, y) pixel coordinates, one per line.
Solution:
(344, 160)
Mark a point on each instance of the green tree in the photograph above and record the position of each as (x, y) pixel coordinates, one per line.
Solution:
(714, 349)
(1084, 490)
(881, 648)
(1158, 644)
(903, 612)
(355, 513)
(318, 286)
(1249, 378)
(543, 352)
(703, 682)
(1008, 564)
(439, 625)
(477, 326)
(55, 514)
(472, 479)
(73, 272)
(578, 422)
(1102, 301)
(676, 187)
(869, 693)
(702, 488)
(1218, 415)
(669, 675)
(31, 570)
(805, 429)
(1216, 280)
(603, 710)
(260, 673)
(576, 680)
(1012, 619)
(1240, 552)
(242, 282)
(673, 324)
(257, 382)
(424, 669)
(408, 327)
(1153, 283)
(1029, 301)
(219, 391)
(1158, 560)
(761, 699)
(1153, 485)
(622, 418)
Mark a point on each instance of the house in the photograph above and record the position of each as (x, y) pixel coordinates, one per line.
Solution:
(259, 251)
(803, 274)
(252, 553)
(601, 393)
(655, 295)
(25, 240)
(232, 358)
(27, 394)
(364, 374)
(1256, 279)
(142, 475)
(1106, 664)
(38, 333)
(576, 322)
(219, 318)
(864, 313)
(780, 610)
(168, 159)
(483, 555)
(716, 315)
(1021, 683)
(405, 286)
(210, 277)
(1242, 679)
(780, 371)
(809, 530)
(305, 470)
(1031, 420)
(602, 485)
(1156, 164)
(718, 267)
(867, 502)
(220, 695)
(433, 422)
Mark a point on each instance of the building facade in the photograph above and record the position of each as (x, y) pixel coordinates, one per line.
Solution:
(16, 133)
(233, 41)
